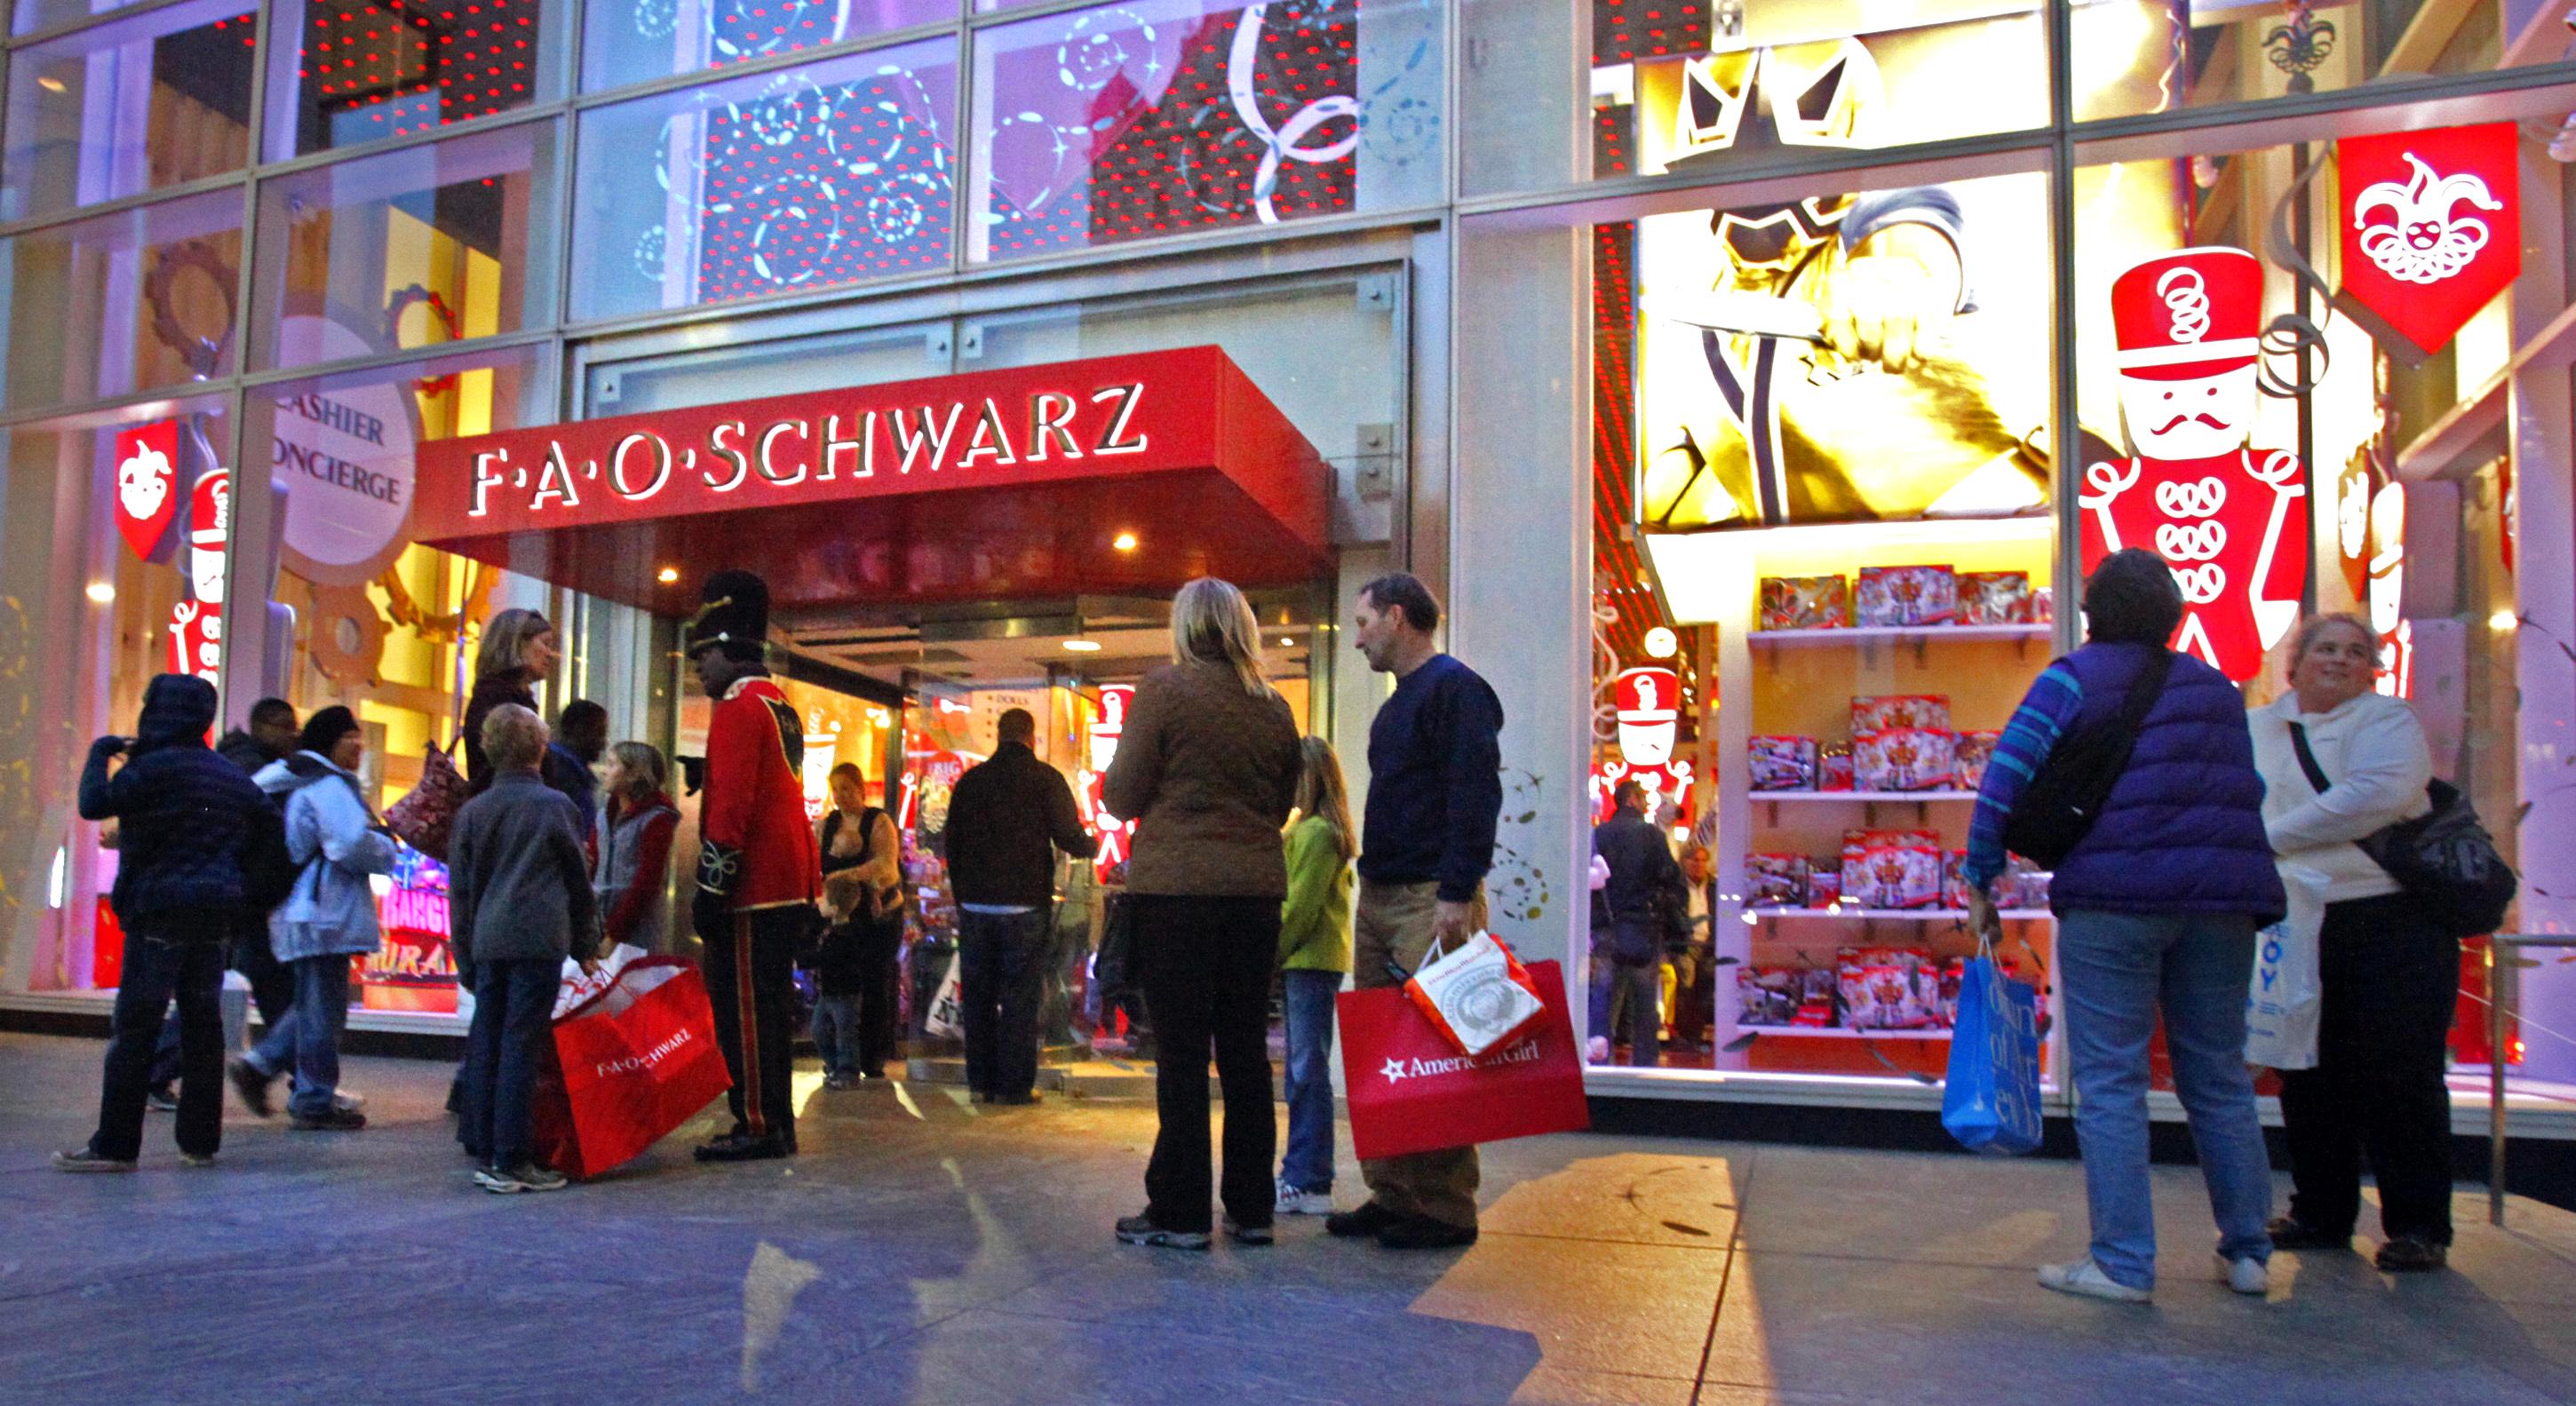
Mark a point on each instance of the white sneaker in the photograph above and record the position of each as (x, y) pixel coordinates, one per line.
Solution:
(1295, 1200)
(2086, 1278)
(1597, 1049)
(2245, 1276)
(348, 1100)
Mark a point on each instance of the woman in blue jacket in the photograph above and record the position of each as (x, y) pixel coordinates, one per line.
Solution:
(330, 917)
(2157, 908)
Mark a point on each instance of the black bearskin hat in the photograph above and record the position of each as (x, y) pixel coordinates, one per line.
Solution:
(735, 616)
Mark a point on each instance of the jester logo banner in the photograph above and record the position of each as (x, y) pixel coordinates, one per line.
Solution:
(2432, 228)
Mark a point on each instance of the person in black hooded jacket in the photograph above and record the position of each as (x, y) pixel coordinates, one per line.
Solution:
(186, 818)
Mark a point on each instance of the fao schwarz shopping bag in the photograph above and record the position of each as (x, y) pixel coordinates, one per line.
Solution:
(634, 1062)
(1478, 994)
(1991, 1100)
(1411, 1090)
(2287, 997)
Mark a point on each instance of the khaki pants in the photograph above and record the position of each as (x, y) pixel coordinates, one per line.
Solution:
(1394, 922)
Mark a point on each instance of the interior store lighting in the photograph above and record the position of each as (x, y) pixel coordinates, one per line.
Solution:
(1124, 541)
(1660, 643)
(1704, 574)
(1083, 646)
(667, 575)
(104, 592)
(51, 84)
(2504, 621)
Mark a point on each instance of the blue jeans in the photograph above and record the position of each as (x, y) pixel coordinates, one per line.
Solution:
(309, 1038)
(836, 1033)
(514, 1006)
(1308, 1163)
(1642, 983)
(1001, 982)
(2118, 969)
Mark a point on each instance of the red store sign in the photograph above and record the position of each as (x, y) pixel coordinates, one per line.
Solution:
(1028, 465)
(2432, 227)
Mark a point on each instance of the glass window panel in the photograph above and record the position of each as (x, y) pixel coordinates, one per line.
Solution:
(427, 244)
(128, 107)
(121, 302)
(1665, 86)
(629, 41)
(89, 613)
(383, 626)
(1140, 120)
(2137, 56)
(784, 182)
(352, 71)
(28, 16)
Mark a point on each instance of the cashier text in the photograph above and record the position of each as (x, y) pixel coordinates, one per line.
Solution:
(960, 436)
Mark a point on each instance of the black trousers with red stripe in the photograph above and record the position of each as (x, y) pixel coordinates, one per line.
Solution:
(751, 975)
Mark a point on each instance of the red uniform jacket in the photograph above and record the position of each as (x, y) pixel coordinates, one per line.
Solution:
(756, 850)
(2235, 532)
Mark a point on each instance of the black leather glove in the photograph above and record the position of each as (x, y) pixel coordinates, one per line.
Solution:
(710, 914)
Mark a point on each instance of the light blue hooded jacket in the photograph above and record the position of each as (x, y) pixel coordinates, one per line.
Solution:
(330, 832)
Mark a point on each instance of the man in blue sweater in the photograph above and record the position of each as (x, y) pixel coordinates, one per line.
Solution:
(1435, 793)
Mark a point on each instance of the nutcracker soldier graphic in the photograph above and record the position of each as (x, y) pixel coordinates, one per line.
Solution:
(758, 870)
(197, 624)
(1647, 702)
(2228, 518)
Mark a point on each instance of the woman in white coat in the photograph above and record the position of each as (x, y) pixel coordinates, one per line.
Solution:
(2389, 976)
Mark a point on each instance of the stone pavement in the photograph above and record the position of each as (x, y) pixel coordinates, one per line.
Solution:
(932, 1252)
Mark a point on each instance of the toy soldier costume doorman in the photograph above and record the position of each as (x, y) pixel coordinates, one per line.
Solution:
(758, 871)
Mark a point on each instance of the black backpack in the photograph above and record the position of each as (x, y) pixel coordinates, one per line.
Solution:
(2057, 809)
(269, 871)
(2444, 857)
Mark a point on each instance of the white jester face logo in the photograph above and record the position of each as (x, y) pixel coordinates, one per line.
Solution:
(2424, 243)
(2201, 418)
(143, 482)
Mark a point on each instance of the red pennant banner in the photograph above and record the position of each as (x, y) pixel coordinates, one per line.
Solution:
(2432, 226)
(147, 484)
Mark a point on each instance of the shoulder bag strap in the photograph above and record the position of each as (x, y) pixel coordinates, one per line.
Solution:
(2308, 759)
(2143, 692)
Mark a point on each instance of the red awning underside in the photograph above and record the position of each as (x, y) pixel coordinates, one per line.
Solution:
(1229, 488)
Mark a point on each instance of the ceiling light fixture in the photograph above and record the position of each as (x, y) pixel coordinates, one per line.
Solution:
(1083, 646)
(667, 575)
(104, 592)
(1124, 541)
(51, 84)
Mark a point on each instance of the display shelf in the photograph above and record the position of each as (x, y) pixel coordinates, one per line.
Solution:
(1901, 632)
(1873, 797)
(1836, 1032)
(1902, 915)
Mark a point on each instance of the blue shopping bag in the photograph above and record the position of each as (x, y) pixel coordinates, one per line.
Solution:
(1991, 1101)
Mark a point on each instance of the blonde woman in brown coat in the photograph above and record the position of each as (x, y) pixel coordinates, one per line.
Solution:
(1208, 769)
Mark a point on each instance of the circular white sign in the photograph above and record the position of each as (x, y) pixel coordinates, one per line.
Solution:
(345, 455)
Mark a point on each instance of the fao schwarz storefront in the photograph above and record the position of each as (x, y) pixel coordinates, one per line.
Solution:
(1754, 379)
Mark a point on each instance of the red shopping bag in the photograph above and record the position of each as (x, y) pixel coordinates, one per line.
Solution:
(632, 1063)
(1411, 1091)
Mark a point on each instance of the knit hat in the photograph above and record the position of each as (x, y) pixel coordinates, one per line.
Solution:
(325, 728)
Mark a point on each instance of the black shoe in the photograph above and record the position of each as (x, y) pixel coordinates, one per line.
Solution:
(1424, 1233)
(337, 1120)
(1141, 1230)
(2290, 1234)
(2411, 1254)
(746, 1149)
(253, 1087)
(161, 1100)
(1370, 1219)
(1249, 1234)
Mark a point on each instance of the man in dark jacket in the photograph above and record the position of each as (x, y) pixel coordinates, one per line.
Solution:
(519, 901)
(186, 817)
(1435, 795)
(269, 738)
(1630, 914)
(1006, 818)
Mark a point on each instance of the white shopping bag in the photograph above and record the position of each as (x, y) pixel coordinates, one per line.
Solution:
(577, 987)
(1478, 994)
(946, 1020)
(2285, 998)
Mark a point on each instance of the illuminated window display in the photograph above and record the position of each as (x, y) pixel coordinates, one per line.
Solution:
(157, 100)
